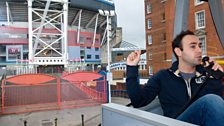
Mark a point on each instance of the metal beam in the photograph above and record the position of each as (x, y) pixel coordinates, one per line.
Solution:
(49, 40)
(76, 17)
(91, 20)
(7, 10)
(103, 39)
(30, 26)
(103, 23)
(79, 26)
(9, 14)
(94, 36)
(181, 18)
(41, 26)
(218, 18)
(65, 35)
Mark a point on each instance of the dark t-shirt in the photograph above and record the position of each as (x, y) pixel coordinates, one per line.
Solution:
(187, 76)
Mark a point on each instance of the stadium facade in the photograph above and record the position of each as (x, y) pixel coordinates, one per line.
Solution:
(53, 34)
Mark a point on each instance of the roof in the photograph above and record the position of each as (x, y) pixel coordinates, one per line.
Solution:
(126, 46)
(93, 5)
(19, 12)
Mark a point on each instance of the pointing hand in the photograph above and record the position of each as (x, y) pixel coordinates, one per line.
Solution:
(134, 58)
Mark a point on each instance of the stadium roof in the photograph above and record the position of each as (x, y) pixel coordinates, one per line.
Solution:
(93, 5)
(19, 11)
(126, 46)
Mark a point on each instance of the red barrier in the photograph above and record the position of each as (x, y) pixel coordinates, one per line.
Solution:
(51, 93)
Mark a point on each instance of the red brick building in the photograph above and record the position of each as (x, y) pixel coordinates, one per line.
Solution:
(159, 20)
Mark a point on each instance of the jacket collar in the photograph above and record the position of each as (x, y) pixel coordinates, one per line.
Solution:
(174, 68)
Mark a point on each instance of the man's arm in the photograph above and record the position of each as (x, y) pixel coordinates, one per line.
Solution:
(139, 96)
(216, 85)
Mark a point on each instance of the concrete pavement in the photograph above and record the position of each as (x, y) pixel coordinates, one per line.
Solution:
(65, 117)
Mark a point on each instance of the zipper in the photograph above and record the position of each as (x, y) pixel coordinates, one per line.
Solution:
(188, 84)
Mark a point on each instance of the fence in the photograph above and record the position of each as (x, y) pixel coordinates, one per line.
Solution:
(35, 92)
(119, 93)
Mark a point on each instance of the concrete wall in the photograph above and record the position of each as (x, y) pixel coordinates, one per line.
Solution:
(73, 52)
(93, 53)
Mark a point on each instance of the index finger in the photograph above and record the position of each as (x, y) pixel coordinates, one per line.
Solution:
(138, 52)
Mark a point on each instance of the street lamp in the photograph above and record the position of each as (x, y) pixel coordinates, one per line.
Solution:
(108, 13)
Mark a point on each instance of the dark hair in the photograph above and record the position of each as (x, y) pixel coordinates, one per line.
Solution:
(177, 42)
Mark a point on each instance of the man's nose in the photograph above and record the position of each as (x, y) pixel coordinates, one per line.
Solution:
(199, 49)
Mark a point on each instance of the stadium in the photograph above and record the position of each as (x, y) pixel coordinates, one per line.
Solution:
(53, 35)
(50, 51)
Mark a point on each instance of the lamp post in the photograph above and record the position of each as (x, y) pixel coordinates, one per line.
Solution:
(108, 13)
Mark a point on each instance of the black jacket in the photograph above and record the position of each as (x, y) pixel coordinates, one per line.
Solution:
(173, 91)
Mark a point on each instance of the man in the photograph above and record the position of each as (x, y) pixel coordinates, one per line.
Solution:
(178, 84)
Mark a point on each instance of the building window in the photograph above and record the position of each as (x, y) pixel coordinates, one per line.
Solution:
(149, 8)
(149, 23)
(150, 55)
(202, 39)
(88, 38)
(164, 36)
(150, 70)
(163, 17)
(163, 1)
(81, 40)
(82, 52)
(96, 40)
(149, 39)
(165, 56)
(88, 56)
(198, 2)
(119, 54)
(96, 49)
(97, 57)
(200, 19)
(88, 47)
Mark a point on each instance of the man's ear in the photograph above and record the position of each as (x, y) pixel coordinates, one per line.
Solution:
(178, 51)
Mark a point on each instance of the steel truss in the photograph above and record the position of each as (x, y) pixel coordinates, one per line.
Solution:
(48, 32)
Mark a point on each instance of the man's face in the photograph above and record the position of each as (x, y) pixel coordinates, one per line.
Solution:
(191, 53)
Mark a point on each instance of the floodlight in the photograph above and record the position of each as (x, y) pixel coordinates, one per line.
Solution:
(107, 13)
(101, 12)
(112, 13)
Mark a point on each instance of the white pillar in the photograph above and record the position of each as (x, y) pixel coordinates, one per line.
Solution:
(30, 26)
(65, 15)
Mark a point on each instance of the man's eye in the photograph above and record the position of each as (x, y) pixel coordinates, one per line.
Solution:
(200, 45)
(193, 46)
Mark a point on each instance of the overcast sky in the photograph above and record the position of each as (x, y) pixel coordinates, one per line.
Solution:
(130, 16)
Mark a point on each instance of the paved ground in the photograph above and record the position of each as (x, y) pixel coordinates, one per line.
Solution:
(66, 117)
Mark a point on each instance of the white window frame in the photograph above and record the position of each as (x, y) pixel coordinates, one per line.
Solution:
(203, 45)
(163, 17)
(198, 2)
(150, 55)
(196, 19)
(162, 1)
(149, 26)
(150, 70)
(149, 8)
(149, 39)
